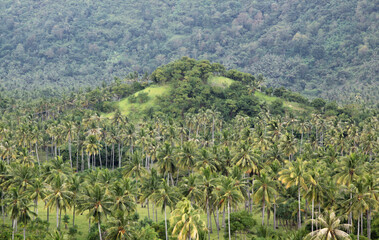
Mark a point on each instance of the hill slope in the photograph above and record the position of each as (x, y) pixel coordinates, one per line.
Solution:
(321, 48)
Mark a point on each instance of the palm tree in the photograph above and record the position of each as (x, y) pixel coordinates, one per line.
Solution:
(123, 193)
(288, 144)
(315, 191)
(25, 215)
(187, 156)
(295, 175)
(166, 161)
(165, 196)
(330, 228)
(207, 182)
(186, 221)
(121, 227)
(246, 158)
(134, 167)
(97, 201)
(36, 191)
(74, 186)
(15, 202)
(58, 195)
(229, 195)
(265, 192)
(348, 171)
(92, 148)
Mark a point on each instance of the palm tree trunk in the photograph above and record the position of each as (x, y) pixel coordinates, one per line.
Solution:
(223, 218)
(274, 217)
(24, 234)
(106, 156)
(165, 221)
(208, 220)
(14, 226)
(82, 163)
(2, 207)
(73, 217)
(57, 215)
(263, 212)
(369, 224)
(299, 213)
(98, 225)
(47, 216)
(39, 164)
(69, 151)
(230, 238)
(119, 155)
(112, 156)
(358, 229)
(89, 161)
(313, 210)
(218, 222)
(362, 223)
(148, 208)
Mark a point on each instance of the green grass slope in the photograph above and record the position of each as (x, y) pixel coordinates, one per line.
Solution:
(136, 109)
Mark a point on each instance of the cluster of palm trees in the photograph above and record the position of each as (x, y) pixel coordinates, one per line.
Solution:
(284, 167)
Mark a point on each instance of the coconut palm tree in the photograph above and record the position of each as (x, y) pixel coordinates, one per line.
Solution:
(229, 195)
(330, 228)
(25, 214)
(166, 161)
(165, 196)
(265, 192)
(121, 227)
(186, 221)
(36, 191)
(74, 186)
(15, 201)
(295, 174)
(123, 193)
(58, 195)
(207, 182)
(97, 201)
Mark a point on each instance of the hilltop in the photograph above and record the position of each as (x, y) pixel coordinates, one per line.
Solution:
(319, 48)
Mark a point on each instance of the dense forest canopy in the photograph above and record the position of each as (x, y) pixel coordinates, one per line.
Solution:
(206, 160)
(320, 48)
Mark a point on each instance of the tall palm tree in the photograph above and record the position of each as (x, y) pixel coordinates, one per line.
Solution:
(74, 186)
(166, 161)
(121, 227)
(229, 195)
(25, 215)
(134, 167)
(58, 195)
(97, 201)
(330, 228)
(295, 174)
(36, 191)
(207, 183)
(15, 201)
(265, 192)
(123, 193)
(186, 221)
(165, 196)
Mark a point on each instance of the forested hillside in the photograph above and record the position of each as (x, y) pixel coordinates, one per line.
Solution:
(216, 155)
(321, 48)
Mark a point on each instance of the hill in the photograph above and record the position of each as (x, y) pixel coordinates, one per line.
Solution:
(320, 48)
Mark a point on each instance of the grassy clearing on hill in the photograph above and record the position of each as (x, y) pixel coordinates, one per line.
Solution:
(289, 105)
(135, 109)
(220, 81)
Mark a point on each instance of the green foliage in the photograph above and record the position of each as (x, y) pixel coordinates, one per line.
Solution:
(240, 222)
(321, 48)
(276, 107)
